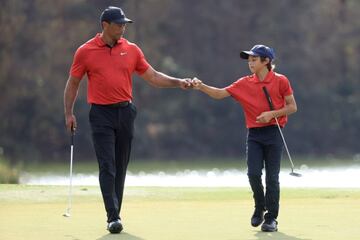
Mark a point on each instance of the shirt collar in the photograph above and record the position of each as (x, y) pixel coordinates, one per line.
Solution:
(100, 42)
(267, 79)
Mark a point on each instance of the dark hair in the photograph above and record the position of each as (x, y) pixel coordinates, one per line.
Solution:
(270, 66)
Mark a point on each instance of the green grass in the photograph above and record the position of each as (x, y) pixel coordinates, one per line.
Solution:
(139, 165)
(35, 212)
(172, 166)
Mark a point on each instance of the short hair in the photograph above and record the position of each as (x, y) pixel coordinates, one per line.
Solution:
(270, 66)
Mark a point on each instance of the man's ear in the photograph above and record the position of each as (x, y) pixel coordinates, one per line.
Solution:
(104, 24)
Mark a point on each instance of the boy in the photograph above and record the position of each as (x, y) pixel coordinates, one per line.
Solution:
(264, 144)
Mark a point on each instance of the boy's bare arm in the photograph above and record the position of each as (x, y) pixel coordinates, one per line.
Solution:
(214, 92)
(289, 108)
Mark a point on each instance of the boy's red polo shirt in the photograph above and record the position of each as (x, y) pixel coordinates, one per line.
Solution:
(108, 69)
(249, 93)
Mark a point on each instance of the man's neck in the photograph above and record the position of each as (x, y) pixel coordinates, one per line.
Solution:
(109, 41)
(262, 74)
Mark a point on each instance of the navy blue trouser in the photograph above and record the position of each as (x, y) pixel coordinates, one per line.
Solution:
(112, 133)
(264, 147)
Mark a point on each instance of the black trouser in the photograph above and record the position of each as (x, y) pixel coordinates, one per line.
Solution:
(264, 146)
(112, 133)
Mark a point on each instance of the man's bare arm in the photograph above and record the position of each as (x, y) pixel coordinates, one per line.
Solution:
(70, 94)
(159, 79)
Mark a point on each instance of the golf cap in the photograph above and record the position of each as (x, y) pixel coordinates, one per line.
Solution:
(115, 15)
(260, 51)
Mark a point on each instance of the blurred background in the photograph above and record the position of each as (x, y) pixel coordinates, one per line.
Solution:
(317, 45)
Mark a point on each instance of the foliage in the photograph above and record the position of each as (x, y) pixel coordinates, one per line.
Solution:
(7, 173)
(316, 44)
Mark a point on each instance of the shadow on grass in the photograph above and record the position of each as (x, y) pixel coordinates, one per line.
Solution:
(276, 236)
(122, 236)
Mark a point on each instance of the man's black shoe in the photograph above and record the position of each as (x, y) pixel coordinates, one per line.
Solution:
(257, 218)
(115, 226)
(270, 225)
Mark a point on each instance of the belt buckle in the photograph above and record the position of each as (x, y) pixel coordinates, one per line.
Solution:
(121, 104)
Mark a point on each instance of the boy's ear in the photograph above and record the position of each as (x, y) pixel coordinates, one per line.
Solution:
(267, 60)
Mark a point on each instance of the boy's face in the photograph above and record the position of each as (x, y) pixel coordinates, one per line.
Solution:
(255, 64)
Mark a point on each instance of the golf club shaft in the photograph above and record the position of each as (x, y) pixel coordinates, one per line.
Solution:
(70, 174)
(286, 148)
(278, 125)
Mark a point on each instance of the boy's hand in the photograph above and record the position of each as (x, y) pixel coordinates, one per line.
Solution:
(265, 117)
(196, 83)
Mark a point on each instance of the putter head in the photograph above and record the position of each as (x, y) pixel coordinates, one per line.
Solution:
(294, 174)
(67, 214)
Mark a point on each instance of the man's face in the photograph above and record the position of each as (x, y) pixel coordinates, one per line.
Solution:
(114, 30)
(255, 63)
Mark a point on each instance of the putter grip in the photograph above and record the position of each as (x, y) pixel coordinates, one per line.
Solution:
(72, 136)
(268, 98)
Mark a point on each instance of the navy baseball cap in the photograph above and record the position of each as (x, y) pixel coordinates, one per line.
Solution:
(115, 15)
(260, 51)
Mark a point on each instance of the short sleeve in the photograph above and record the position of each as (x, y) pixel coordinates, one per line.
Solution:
(78, 67)
(285, 87)
(141, 64)
(233, 88)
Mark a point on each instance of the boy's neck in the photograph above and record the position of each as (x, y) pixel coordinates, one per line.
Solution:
(262, 74)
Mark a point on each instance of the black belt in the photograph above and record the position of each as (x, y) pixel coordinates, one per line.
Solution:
(265, 127)
(115, 105)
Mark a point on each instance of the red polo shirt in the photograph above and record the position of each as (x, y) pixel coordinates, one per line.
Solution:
(249, 93)
(108, 69)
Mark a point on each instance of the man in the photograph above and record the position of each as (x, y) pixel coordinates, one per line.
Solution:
(109, 60)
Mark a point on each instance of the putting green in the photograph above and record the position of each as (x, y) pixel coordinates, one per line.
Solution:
(35, 212)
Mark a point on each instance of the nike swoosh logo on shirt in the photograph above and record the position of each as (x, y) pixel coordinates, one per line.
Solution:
(123, 53)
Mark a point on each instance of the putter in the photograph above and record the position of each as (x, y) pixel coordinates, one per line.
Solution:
(68, 210)
(282, 136)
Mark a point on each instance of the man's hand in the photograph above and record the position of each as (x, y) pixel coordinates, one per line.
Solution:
(185, 83)
(70, 121)
(196, 83)
(265, 117)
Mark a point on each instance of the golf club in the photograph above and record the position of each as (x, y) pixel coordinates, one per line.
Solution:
(68, 210)
(282, 136)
